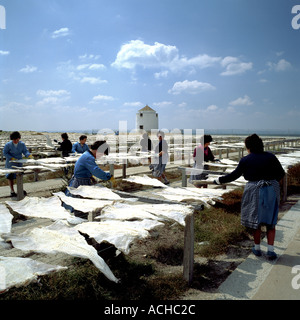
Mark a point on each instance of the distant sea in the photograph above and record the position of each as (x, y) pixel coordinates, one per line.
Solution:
(235, 132)
(285, 133)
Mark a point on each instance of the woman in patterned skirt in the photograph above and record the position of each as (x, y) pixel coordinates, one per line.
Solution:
(261, 197)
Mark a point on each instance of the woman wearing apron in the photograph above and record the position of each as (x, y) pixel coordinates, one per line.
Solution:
(261, 197)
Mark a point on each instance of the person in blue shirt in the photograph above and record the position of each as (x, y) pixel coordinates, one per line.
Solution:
(86, 166)
(14, 150)
(81, 146)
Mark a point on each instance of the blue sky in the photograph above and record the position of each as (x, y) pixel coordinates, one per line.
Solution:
(207, 64)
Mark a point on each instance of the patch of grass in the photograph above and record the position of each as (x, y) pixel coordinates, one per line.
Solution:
(215, 230)
(84, 281)
(231, 202)
(170, 255)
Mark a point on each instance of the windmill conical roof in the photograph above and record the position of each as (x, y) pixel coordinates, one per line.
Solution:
(147, 108)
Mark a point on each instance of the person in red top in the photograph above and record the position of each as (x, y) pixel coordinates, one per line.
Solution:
(202, 152)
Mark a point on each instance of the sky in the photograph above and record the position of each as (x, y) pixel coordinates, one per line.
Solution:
(200, 64)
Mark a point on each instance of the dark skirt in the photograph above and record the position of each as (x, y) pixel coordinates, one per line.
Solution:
(260, 204)
(75, 183)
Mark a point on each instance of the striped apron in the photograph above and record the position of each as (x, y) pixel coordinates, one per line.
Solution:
(260, 203)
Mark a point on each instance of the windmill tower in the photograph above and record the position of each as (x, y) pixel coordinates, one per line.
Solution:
(146, 119)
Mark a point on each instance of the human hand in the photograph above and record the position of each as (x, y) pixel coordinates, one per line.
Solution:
(217, 181)
(113, 181)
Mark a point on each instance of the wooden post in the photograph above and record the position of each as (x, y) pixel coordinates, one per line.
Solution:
(184, 177)
(189, 158)
(111, 169)
(124, 170)
(188, 253)
(284, 186)
(20, 190)
(91, 216)
(36, 174)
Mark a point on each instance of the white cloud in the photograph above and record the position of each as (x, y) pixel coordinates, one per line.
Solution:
(137, 53)
(162, 104)
(83, 73)
(212, 108)
(162, 74)
(201, 61)
(102, 98)
(89, 57)
(53, 97)
(242, 101)
(4, 53)
(62, 32)
(182, 105)
(96, 66)
(70, 109)
(49, 93)
(92, 80)
(82, 66)
(191, 87)
(93, 66)
(281, 65)
(48, 100)
(28, 69)
(135, 104)
(234, 66)
(263, 80)
(14, 107)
